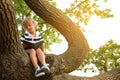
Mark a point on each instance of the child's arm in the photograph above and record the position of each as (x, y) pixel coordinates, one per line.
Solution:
(42, 47)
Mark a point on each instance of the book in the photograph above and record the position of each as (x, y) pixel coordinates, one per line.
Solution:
(31, 45)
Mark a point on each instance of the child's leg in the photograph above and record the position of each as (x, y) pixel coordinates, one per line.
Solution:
(41, 58)
(34, 60)
(40, 55)
(33, 57)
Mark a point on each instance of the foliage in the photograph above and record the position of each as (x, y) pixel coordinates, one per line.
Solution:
(50, 34)
(82, 10)
(106, 58)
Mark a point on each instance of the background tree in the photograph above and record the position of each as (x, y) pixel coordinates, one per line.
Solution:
(106, 58)
(15, 63)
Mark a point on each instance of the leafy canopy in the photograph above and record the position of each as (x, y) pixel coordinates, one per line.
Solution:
(82, 10)
(106, 58)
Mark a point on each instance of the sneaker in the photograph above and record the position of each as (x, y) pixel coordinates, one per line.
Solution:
(45, 68)
(38, 72)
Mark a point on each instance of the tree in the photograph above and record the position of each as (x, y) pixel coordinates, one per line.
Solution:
(15, 63)
(106, 58)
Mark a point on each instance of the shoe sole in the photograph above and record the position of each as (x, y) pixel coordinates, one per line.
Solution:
(40, 74)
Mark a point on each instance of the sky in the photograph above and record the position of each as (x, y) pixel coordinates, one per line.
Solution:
(97, 32)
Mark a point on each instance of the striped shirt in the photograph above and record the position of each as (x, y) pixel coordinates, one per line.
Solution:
(29, 38)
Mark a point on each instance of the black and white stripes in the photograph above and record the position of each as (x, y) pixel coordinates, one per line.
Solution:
(29, 38)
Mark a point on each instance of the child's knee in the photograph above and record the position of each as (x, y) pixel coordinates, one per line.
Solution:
(31, 51)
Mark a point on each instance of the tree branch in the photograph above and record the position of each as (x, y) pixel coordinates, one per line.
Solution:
(78, 47)
(110, 75)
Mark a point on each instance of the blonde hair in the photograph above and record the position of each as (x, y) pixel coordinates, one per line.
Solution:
(27, 20)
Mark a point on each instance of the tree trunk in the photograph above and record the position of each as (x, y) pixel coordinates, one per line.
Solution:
(13, 60)
(15, 63)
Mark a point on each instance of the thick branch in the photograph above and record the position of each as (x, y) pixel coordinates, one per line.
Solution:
(78, 47)
(111, 75)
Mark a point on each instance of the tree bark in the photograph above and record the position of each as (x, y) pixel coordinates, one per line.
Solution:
(15, 63)
(13, 60)
(111, 75)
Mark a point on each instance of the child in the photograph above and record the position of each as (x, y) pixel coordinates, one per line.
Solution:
(34, 52)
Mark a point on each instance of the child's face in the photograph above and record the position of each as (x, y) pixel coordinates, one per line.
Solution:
(30, 26)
